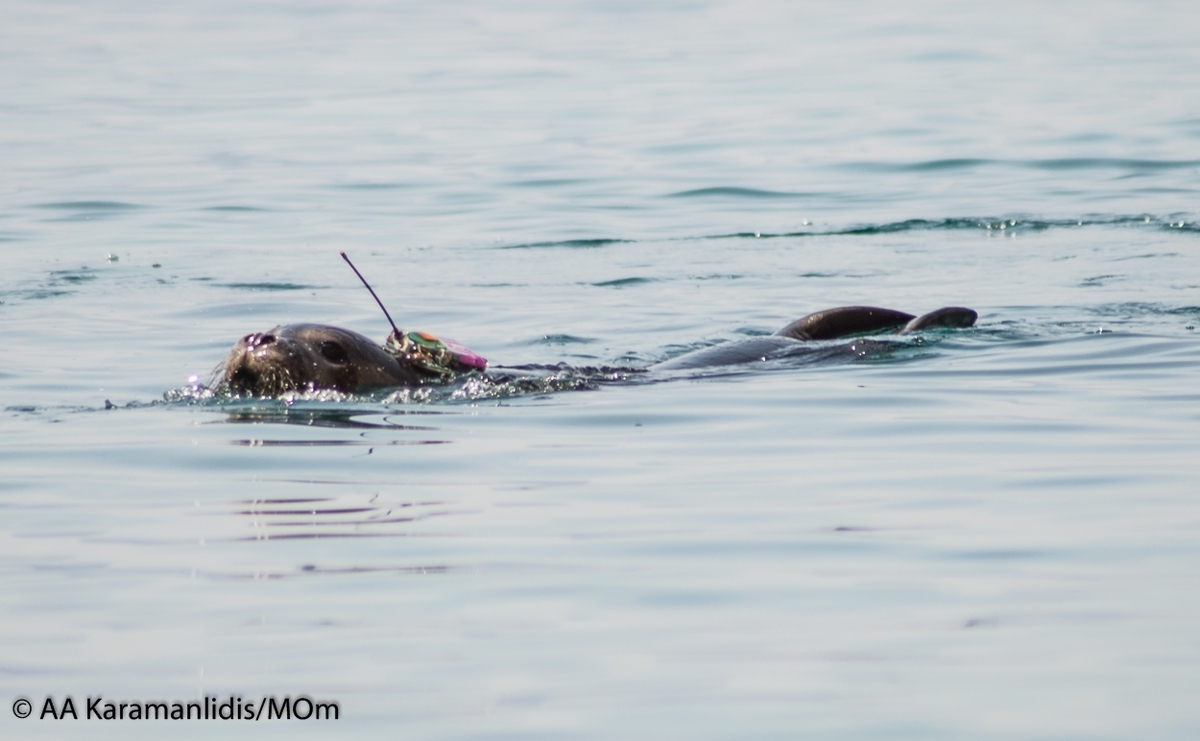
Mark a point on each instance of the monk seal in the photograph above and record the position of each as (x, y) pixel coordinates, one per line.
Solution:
(312, 357)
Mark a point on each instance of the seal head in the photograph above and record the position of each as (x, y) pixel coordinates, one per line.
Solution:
(308, 357)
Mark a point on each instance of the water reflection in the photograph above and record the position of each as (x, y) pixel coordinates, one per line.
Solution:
(329, 418)
(334, 517)
(334, 417)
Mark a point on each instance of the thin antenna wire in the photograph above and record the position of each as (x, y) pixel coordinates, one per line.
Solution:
(368, 285)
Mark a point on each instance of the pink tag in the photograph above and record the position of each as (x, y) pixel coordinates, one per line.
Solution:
(463, 355)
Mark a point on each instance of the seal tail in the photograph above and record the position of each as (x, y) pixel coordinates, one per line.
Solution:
(947, 316)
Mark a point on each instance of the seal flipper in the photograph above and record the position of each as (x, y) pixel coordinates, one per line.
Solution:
(846, 320)
(947, 316)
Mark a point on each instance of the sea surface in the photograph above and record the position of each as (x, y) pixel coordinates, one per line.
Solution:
(989, 533)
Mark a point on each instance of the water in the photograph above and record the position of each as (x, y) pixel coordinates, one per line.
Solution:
(988, 533)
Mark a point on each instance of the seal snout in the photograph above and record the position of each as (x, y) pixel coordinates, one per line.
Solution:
(242, 379)
(261, 363)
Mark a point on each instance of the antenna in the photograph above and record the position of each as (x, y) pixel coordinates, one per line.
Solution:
(368, 285)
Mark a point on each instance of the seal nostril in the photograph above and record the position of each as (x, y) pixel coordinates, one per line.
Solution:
(266, 339)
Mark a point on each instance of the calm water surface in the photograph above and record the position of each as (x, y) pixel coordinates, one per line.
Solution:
(990, 533)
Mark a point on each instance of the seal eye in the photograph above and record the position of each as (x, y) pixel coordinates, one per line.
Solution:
(334, 353)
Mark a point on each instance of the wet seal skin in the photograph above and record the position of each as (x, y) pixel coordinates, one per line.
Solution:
(312, 357)
(830, 324)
